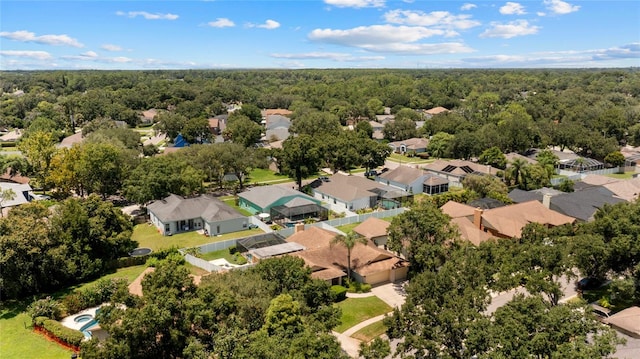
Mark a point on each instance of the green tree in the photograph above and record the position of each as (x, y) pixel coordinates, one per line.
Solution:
(516, 173)
(300, 157)
(400, 129)
(39, 148)
(420, 234)
(440, 145)
(615, 159)
(283, 317)
(243, 131)
(376, 349)
(316, 123)
(170, 123)
(250, 111)
(196, 130)
(349, 241)
(494, 157)
(6, 195)
(486, 186)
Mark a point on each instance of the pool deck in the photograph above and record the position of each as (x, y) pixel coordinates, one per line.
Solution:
(70, 322)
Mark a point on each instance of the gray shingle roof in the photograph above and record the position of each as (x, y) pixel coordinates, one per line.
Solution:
(403, 174)
(583, 204)
(177, 208)
(264, 196)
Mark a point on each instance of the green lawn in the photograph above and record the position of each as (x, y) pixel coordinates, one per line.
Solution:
(18, 340)
(223, 253)
(356, 310)
(626, 175)
(396, 157)
(348, 227)
(370, 332)
(148, 236)
(231, 201)
(260, 175)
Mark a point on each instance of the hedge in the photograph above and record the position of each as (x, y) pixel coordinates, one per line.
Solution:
(55, 328)
(339, 292)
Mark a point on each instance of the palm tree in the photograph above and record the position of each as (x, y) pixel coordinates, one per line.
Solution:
(349, 241)
(516, 172)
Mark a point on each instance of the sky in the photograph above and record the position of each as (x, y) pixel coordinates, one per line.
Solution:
(294, 34)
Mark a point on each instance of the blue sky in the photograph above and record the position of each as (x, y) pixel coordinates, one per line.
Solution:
(318, 34)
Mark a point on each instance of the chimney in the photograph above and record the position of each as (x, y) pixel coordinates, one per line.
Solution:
(546, 200)
(477, 218)
(299, 227)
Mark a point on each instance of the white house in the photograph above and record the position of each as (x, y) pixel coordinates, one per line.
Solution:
(176, 214)
(351, 193)
(413, 180)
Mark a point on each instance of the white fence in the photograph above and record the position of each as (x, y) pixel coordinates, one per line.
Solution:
(201, 263)
(577, 176)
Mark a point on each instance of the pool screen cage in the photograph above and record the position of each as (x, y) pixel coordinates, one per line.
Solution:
(281, 214)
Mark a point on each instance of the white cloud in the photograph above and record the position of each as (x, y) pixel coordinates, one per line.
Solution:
(28, 36)
(560, 7)
(91, 54)
(147, 15)
(221, 22)
(270, 25)
(355, 3)
(440, 19)
(389, 39)
(38, 55)
(511, 29)
(512, 8)
(111, 47)
(335, 56)
(119, 59)
(468, 6)
(541, 13)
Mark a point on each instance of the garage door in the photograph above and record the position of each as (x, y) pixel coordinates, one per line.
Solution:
(377, 278)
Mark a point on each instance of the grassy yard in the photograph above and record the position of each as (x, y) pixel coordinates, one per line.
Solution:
(626, 175)
(17, 340)
(260, 175)
(370, 332)
(223, 253)
(396, 157)
(231, 201)
(356, 310)
(348, 227)
(148, 236)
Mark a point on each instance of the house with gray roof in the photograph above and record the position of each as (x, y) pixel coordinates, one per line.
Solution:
(414, 180)
(410, 146)
(282, 203)
(177, 214)
(350, 193)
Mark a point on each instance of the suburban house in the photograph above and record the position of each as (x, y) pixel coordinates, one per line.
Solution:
(9, 177)
(351, 193)
(23, 193)
(177, 214)
(626, 321)
(217, 124)
(71, 140)
(414, 180)
(378, 128)
(627, 189)
(148, 116)
(369, 264)
(456, 170)
(435, 111)
(282, 203)
(506, 221)
(276, 128)
(276, 111)
(375, 230)
(581, 205)
(410, 146)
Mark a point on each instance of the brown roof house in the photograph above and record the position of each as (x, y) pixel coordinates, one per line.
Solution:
(410, 146)
(502, 222)
(414, 180)
(626, 189)
(626, 321)
(374, 229)
(328, 261)
(456, 170)
(435, 111)
(176, 214)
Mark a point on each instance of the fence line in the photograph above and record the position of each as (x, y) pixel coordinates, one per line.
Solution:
(201, 263)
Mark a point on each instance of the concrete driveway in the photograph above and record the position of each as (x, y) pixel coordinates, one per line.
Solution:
(391, 293)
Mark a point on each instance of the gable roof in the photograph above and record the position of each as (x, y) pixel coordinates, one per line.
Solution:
(509, 220)
(403, 174)
(372, 227)
(470, 232)
(411, 143)
(459, 167)
(276, 111)
(69, 141)
(349, 188)
(456, 210)
(264, 196)
(517, 195)
(584, 204)
(176, 208)
(627, 320)
(313, 237)
(436, 110)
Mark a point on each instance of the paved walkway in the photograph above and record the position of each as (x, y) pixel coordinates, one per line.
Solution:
(391, 293)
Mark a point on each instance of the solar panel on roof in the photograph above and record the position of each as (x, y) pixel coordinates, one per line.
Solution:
(466, 169)
(449, 168)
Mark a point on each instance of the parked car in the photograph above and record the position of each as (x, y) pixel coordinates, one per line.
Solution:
(600, 312)
(588, 283)
(324, 178)
(371, 173)
(384, 170)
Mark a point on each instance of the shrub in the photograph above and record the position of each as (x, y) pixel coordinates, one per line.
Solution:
(239, 259)
(46, 307)
(67, 335)
(233, 250)
(357, 287)
(339, 292)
